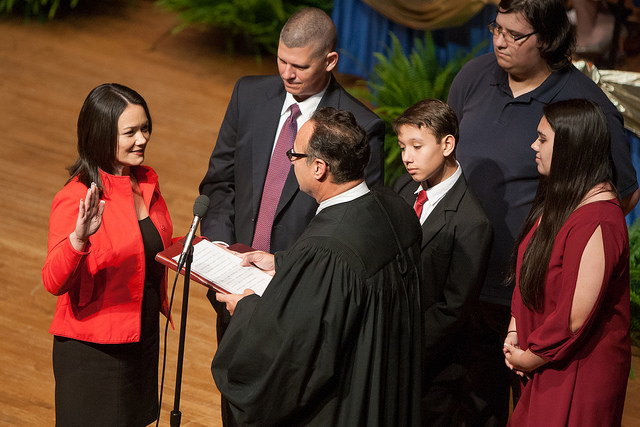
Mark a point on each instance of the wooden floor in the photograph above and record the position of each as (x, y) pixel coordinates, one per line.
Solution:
(46, 71)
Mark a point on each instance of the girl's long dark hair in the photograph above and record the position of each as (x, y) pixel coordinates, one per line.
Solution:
(98, 131)
(580, 161)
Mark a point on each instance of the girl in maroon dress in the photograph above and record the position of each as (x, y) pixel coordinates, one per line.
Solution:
(569, 332)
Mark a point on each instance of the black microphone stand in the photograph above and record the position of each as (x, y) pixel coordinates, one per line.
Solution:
(175, 413)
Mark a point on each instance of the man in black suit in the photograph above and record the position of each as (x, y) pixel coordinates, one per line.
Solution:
(456, 241)
(247, 143)
(258, 107)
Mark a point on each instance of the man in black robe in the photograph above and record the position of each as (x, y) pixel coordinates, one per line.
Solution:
(335, 338)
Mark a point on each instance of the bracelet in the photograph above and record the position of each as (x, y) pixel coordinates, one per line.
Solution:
(508, 332)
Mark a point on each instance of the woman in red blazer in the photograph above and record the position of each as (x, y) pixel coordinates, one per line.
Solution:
(106, 226)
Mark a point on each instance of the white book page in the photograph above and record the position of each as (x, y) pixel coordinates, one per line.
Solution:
(223, 268)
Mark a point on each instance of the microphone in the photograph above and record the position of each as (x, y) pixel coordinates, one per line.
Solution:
(200, 208)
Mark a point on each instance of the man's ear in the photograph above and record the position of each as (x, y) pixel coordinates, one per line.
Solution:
(332, 61)
(448, 145)
(320, 169)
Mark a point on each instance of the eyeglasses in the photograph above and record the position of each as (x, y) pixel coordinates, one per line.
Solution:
(291, 155)
(509, 37)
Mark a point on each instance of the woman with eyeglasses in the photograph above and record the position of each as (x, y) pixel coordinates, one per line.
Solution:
(499, 99)
(569, 330)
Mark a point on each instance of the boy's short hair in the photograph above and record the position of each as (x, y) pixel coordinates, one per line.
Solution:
(432, 114)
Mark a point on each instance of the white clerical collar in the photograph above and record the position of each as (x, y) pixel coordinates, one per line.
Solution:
(349, 195)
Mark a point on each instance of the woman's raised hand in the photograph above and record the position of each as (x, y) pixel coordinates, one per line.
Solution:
(90, 212)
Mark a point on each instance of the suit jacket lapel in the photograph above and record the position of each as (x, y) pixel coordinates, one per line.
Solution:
(264, 131)
(331, 97)
(437, 219)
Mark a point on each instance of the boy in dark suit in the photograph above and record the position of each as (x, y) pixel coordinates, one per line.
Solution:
(456, 242)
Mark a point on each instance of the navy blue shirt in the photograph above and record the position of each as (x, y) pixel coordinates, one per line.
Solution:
(496, 132)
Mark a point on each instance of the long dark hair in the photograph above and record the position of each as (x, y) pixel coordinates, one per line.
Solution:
(98, 130)
(556, 39)
(580, 161)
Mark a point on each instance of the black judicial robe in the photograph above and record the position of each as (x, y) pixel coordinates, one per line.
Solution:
(335, 338)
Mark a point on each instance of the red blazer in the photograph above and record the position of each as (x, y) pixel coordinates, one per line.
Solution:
(100, 289)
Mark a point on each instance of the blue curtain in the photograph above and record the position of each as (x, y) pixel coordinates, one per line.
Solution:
(634, 141)
(363, 31)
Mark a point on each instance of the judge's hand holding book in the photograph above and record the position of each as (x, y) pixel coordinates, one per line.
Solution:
(263, 260)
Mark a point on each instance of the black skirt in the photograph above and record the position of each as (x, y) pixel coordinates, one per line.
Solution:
(113, 384)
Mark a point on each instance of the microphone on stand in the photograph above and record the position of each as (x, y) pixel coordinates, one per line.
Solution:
(200, 208)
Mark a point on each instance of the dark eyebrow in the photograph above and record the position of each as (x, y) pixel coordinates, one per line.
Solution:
(145, 124)
(292, 64)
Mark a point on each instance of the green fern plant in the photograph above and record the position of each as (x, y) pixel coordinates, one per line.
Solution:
(43, 9)
(634, 272)
(399, 81)
(635, 311)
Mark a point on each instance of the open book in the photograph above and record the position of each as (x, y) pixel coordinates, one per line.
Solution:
(217, 268)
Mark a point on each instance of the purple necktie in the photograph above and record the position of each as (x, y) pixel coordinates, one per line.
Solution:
(422, 198)
(276, 176)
